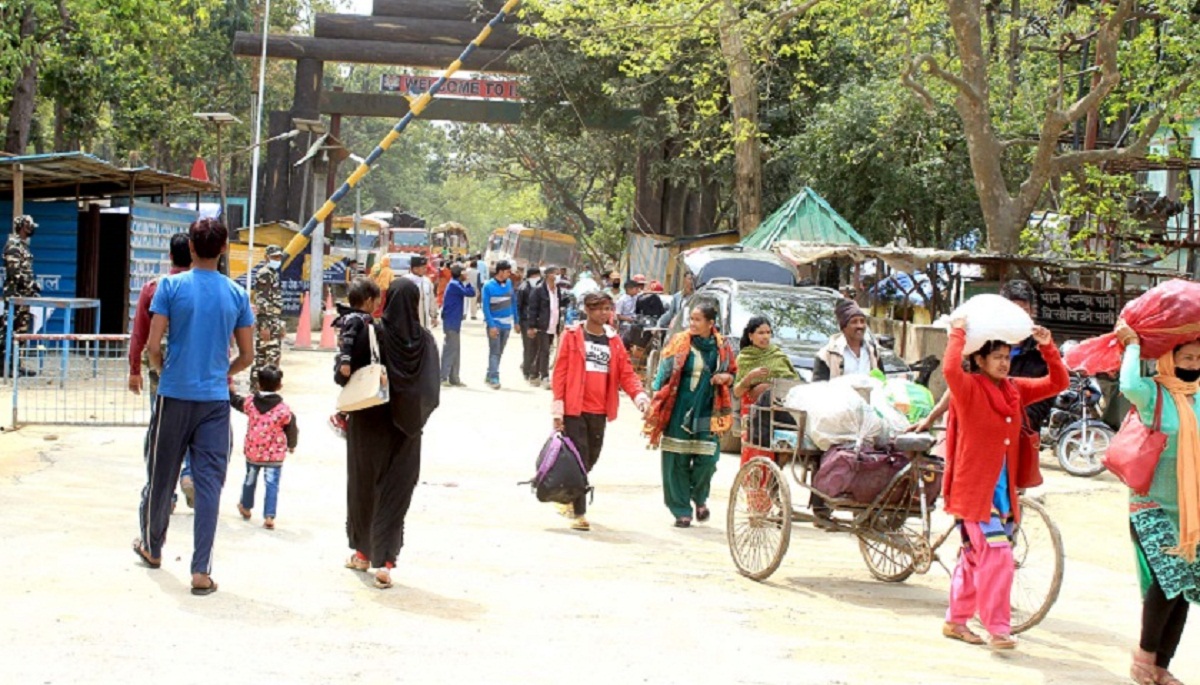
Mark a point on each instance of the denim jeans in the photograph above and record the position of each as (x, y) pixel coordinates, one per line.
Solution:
(270, 478)
(450, 357)
(495, 349)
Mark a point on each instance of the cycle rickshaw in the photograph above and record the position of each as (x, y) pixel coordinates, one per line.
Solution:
(894, 531)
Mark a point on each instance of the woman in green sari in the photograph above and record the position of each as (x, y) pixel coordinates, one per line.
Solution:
(691, 408)
(759, 362)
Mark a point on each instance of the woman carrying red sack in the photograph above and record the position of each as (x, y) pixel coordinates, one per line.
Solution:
(1165, 523)
(984, 438)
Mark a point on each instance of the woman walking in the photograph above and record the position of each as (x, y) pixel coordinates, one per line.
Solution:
(691, 407)
(1165, 523)
(383, 443)
(981, 479)
(759, 362)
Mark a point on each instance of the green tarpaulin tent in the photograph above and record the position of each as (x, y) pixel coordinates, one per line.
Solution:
(807, 217)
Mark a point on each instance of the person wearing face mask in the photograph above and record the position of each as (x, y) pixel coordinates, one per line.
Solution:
(980, 485)
(18, 277)
(1165, 522)
(270, 327)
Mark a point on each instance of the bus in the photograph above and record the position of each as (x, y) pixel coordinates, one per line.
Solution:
(491, 250)
(451, 238)
(343, 239)
(524, 247)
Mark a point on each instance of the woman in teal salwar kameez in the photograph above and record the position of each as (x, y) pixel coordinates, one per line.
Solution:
(692, 408)
(1165, 522)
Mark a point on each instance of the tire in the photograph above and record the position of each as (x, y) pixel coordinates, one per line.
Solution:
(758, 524)
(889, 553)
(651, 367)
(1038, 561)
(1080, 458)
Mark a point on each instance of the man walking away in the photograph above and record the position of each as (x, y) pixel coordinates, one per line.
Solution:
(458, 290)
(591, 369)
(472, 279)
(268, 294)
(542, 323)
(499, 313)
(181, 260)
(528, 343)
(418, 273)
(203, 309)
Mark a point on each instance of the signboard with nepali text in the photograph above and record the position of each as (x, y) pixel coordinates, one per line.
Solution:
(455, 87)
(1080, 308)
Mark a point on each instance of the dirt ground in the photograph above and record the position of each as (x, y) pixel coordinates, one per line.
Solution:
(491, 586)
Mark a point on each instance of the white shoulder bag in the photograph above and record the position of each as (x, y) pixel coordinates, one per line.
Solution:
(367, 387)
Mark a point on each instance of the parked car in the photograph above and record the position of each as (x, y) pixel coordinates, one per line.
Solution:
(738, 263)
(802, 319)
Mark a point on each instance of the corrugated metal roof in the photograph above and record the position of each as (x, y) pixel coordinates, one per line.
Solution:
(807, 217)
(71, 174)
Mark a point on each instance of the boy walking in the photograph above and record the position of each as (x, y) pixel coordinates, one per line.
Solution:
(352, 322)
(270, 436)
(499, 314)
(591, 370)
(458, 290)
(203, 308)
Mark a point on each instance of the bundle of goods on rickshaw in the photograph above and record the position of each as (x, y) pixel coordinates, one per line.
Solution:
(851, 410)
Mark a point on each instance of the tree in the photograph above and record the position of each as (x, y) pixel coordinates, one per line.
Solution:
(691, 45)
(1007, 75)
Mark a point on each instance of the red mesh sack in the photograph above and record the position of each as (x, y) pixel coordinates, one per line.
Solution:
(1164, 317)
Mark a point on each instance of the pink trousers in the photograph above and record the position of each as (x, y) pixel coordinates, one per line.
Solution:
(982, 583)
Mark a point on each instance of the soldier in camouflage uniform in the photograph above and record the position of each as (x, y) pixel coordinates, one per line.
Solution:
(268, 293)
(18, 276)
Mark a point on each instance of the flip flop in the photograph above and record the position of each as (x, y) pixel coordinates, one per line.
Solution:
(703, 513)
(958, 631)
(683, 522)
(202, 591)
(144, 556)
(385, 582)
(356, 563)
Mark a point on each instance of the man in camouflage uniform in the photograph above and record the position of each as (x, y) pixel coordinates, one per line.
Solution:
(18, 276)
(268, 295)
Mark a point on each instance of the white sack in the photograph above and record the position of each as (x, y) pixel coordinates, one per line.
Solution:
(991, 317)
(836, 413)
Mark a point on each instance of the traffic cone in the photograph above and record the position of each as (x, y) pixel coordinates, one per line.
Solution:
(329, 302)
(304, 327)
(328, 339)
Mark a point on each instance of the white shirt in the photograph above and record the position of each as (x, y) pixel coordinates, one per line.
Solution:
(553, 324)
(428, 301)
(855, 364)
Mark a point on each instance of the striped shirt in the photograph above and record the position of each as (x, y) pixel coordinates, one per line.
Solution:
(499, 305)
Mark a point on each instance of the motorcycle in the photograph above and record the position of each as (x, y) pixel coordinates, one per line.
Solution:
(1074, 427)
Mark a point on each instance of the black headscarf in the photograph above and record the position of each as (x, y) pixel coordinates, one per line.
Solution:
(411, 358)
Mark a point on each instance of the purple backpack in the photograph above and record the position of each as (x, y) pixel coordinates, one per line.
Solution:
(561, 475)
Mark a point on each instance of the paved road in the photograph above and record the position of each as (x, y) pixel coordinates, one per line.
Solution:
(492, 587)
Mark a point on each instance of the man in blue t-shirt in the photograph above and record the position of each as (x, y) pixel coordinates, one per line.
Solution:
(203, 309)
(500, 313)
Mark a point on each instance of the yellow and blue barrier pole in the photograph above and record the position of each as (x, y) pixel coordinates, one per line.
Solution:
(416, 106)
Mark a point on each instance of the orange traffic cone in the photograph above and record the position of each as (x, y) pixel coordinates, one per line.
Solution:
(329, 302)
(304, 327)
(328, 339)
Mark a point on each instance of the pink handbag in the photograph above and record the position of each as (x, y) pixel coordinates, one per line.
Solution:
(1133, 453)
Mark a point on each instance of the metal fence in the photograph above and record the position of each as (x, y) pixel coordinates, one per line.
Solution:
(74, 380)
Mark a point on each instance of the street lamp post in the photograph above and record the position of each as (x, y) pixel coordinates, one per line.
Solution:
(219, 120)
(316, 262)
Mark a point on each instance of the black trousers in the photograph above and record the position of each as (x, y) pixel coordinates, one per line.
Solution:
(541, 355)
(1162, 620)
(383, 467)
(586, 432)
(529, 348)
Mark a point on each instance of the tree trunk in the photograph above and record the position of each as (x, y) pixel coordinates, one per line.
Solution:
(20, 114)
(747, 151)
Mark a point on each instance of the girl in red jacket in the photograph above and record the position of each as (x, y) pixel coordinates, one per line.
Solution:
(591, 370)
(984, 438)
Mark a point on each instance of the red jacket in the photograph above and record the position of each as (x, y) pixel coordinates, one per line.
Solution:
(568, 378)
(985, 437)
(141, 323)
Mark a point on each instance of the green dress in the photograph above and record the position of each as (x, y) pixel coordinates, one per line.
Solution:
(689, 448)
(1154, 518)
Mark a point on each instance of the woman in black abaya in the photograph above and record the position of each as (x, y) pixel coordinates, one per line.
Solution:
(383, 443)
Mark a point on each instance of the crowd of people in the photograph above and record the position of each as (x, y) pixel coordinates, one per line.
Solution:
(386, 328)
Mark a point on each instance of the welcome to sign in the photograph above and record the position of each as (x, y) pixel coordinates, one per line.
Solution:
(455, 87)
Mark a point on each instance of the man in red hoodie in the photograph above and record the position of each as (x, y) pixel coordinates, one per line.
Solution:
(591, 370)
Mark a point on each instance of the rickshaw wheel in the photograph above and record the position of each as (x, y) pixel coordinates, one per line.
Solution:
(759, 521)
(891, 554)
(1038, 559)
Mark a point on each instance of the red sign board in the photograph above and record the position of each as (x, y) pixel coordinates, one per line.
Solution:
(455, 87)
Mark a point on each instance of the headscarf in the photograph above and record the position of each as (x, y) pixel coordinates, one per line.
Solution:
(411, 358)
(1187, 464)
(772, 359)
(662, 404)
